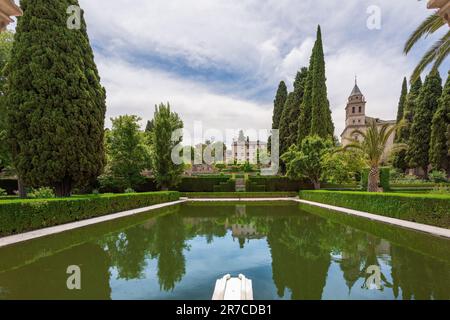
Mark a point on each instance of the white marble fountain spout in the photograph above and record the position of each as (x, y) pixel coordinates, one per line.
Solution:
(233, 288)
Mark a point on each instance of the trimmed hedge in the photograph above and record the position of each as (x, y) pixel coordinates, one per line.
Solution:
(432, 209)
(201, 183)
(10, 185)
(18, 216)
(238, 195)
(276, 183)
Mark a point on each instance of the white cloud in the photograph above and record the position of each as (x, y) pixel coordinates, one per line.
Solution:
(136, 91)
(261, 42)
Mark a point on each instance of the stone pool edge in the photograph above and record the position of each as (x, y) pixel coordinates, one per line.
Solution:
(30, 235)
(436, 231)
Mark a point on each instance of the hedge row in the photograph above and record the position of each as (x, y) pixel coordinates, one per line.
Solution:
(275, 183)
(201, 184)
(432, 209)
(18, 216)
(238, 195)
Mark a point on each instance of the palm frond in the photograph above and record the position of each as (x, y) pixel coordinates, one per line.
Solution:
(430, 25)
(439, 50)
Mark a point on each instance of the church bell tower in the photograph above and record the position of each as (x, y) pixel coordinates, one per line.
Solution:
(356, 108)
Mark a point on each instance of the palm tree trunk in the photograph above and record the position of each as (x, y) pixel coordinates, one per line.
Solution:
(374, 176)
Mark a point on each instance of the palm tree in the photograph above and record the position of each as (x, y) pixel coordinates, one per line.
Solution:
(438, 51)
(372, 146)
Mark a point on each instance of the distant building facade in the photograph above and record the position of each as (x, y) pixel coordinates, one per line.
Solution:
(246, 150)
(356, 119)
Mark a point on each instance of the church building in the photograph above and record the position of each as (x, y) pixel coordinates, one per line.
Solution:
(356, 119)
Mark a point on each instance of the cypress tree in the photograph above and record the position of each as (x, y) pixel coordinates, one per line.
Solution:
(440, 144)
(55, 103)
(278, 104)
(419, 140)
(402, 100)
(291, 112)
(321, 121)
(304, 123)
(399, 158)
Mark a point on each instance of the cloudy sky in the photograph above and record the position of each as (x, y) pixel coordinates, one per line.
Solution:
(220, 61)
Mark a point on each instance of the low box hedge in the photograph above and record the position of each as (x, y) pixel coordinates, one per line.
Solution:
(238, 195)
(18, 216)
(276, 183)
(201, 183)
(432, 209)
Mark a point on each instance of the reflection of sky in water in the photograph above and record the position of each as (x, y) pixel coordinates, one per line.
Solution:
(205, 263)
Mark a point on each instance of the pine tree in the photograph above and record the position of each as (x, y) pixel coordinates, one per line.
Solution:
(419, 140)
(399, 158)
(55, 103)
(304, 123)
(278, 104)
(321, 121)
(291, 112)
(440, 144)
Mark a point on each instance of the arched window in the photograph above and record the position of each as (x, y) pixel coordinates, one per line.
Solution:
(353, 109)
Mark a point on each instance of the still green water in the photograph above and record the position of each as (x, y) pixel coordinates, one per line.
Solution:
(289, 250)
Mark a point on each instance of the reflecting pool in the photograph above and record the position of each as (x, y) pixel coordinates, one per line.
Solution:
(289, 250)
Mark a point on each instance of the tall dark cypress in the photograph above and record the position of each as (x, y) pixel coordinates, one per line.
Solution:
(278, 104)
(291, 112)
(304, 123)
(440, 142)
(321, 121)
(420, 135)
(399, 158)
(55, 103)
(402, 100)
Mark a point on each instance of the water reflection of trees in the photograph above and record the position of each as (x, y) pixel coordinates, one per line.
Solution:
(302, 246)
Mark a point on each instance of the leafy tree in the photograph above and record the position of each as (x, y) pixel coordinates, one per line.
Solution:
(291, 112)
(403, 131)
(149, 127)
(420, 135)
(165, 122)
(438, 51)
(128, 155)
(440, 144)
(55, 103)
(372, 144)
(308, 160)
(278, 105)
(342, 167)
(321, 121)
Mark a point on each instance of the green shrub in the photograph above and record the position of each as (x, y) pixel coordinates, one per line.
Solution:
(201, 183)
(18, 216)
(238, 195)
(3, 192)
(430, 209)
(41, 193)
(385, 178)
(441, 189)
(438, 176)
(276, 183)
(129, 190)
(95, 192)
